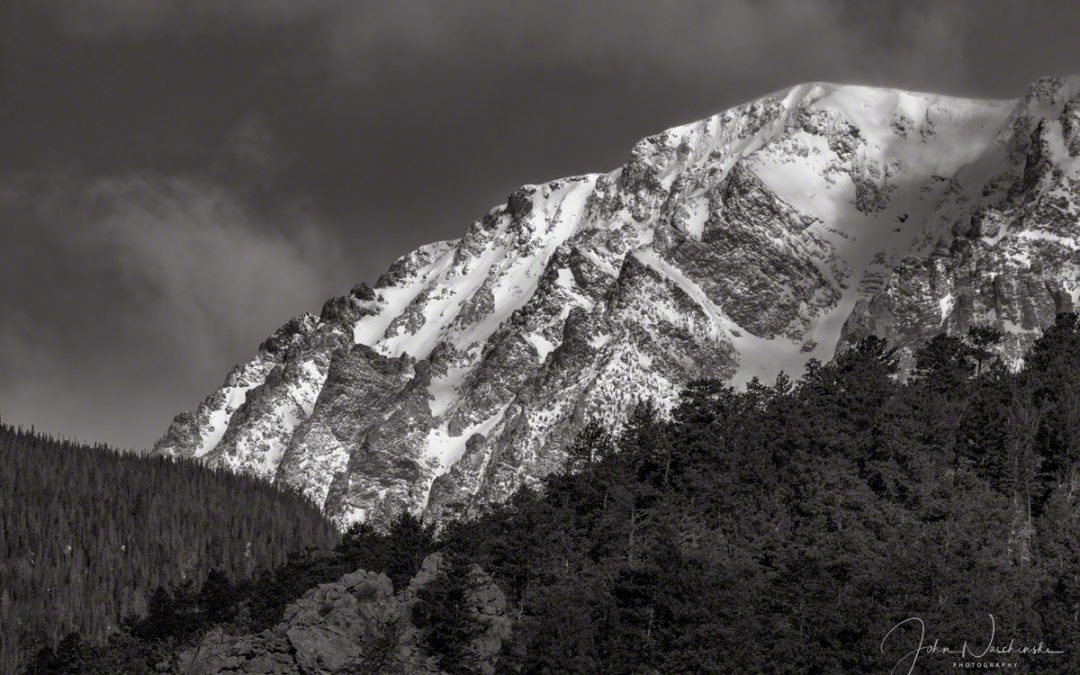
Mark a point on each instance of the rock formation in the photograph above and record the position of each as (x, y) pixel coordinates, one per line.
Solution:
(357, 625)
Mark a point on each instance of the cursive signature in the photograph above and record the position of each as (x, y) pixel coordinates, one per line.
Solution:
(967, 651)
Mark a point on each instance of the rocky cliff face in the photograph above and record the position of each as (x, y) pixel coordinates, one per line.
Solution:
(357, 625)
(737, 246)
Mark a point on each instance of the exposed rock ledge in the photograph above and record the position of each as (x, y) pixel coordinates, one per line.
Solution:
(356, 625)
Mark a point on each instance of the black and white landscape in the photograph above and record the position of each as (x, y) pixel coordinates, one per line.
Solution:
(793, 388)
(739, 246)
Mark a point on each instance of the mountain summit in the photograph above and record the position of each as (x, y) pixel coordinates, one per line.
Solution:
(735, 247)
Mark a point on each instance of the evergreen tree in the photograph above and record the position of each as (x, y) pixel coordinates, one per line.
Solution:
(86, 533)
(443, 616)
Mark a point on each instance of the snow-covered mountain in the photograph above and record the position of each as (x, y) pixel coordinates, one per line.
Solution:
(737, 246)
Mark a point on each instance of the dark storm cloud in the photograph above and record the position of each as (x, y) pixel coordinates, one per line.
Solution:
(106, 19)
(151, 283)
(179, 177)
(685, 40)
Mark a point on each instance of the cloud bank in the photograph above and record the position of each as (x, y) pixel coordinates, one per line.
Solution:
(684, 38)
(156, 279)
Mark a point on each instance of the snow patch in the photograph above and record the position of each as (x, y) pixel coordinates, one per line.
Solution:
(1043, 235)
(444, 391)
(946, 306)
(218, 422)
(697, 215)
(598, 341)
(542, 345)
(444, 450)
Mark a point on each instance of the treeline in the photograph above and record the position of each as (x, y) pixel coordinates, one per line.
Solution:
(87, 533)
(177, 617)
(781, 529)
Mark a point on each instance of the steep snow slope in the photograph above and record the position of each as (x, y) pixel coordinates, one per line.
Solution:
(735, 247)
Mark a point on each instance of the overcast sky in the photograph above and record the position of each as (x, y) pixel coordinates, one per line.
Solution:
(178, 178)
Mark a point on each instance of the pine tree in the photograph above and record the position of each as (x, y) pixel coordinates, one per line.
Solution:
(94, 531)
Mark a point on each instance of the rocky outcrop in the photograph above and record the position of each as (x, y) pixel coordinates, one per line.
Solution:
(356, 625)
(735, 247)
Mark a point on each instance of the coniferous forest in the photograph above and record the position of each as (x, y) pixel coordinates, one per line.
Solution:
(87, 534)
(785, 528)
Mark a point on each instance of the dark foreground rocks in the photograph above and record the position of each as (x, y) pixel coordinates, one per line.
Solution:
(357, 625)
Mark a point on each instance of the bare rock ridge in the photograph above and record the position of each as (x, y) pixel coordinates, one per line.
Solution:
(733, 247)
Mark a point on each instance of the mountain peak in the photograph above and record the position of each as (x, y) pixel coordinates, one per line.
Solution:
(736, 246)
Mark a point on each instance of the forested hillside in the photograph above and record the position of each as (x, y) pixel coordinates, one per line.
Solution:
(784, 528)
(87, 533)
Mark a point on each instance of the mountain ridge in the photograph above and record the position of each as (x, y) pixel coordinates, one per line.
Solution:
(737, 246)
